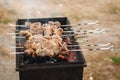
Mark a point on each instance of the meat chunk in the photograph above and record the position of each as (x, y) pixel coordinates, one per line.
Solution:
(44, 40)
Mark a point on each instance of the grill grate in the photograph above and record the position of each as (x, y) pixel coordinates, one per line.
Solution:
(23, 59)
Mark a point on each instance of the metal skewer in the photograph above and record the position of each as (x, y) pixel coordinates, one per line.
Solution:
(95, 49)
(12, 33)
(19, 37)
(97, 32)
(78, 36)
(82, 41)
(77, 33)
(79, 24)
(89, 31)
(90, 23)
(17, 53)
(107, 44)
(39, 37)
(92, 45)
(17, 47)
(14, 25)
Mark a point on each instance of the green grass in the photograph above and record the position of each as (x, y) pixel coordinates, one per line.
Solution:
(115, 60)
(118, 76)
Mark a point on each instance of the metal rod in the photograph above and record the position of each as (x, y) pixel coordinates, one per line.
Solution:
(39, 37)
(82, 41)
(12, 33)
(76, 33)
(17, 47)
(16, 25)
(82, 45)
(87, 31)
(92, 45)
(19, 37)
(68, 35)
(79, 45)
(81, 36)
(63, 31)
(95, 49)
(90, 23)
(17, 53)
(80, 24)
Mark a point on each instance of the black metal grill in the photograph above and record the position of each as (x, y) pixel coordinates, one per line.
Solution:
(42, 68)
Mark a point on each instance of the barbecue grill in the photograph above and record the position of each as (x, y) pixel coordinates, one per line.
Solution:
(46, 68)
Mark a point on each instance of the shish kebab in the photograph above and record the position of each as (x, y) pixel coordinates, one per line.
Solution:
(28, 24)
(78, 41)
(78, 32)
(100, 45)
(47, 33)
(82, 32)
(45, 40)
(95, 49)
(39, 23)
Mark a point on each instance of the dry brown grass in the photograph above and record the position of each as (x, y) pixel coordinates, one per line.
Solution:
(3, 27)
(5, 15)
(110, 11)
(113, 7)
(101, 66)
(4, 52)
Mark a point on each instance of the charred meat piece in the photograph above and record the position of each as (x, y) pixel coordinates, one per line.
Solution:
(44, 40)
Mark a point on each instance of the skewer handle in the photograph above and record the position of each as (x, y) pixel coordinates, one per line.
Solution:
(96, 49)
(12, 33)
(17, 52)
(17, 47)
(80, 45)
(92, 45)
(19, 37)
(82, 24)
(16, 25)
(90, 23)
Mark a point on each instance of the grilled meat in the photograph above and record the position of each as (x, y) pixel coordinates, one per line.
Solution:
(44, 40)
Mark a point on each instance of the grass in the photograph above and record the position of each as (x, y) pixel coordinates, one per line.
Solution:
(118, 76)
(5, 20)
(113, 8)
(115, 60)
(5, 15)
(5, 53)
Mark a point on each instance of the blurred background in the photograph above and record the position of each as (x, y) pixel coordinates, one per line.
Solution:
(101, 65)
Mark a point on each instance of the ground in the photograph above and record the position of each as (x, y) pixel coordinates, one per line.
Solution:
(100, 66)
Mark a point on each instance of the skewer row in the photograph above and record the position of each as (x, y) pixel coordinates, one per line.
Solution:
(79, 24)
(75, 50)
(101, 45)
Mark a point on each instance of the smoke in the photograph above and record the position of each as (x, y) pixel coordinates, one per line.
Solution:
(34, 8)
(39, 8)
